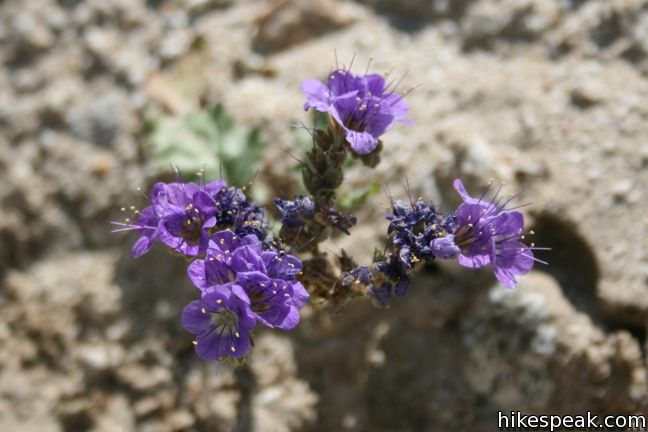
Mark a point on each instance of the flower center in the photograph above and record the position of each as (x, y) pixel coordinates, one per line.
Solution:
(258, 302)
(466, 235)
(226, 319)
(358, 118)
(191, 229)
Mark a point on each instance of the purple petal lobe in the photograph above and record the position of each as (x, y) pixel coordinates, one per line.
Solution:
(361, 142)
(461, 190)
(474, 261)
(204, 203)
(197, 274)
(239, 292)
(317, 95)
(193, 319)
(247, 258)
(141, 246)
(445, 247)
(252, 277)
(281, 266)
(300, 296)
(225, 241)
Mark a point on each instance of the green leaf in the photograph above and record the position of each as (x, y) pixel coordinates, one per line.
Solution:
(378, 255)
(350, 200)
(209, 140)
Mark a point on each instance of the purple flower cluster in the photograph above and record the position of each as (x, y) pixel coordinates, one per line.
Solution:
(477, 234)
(241, 282)
(241, 285)
(244, 277)
(363, 106)
(412, 228)
(183, 216)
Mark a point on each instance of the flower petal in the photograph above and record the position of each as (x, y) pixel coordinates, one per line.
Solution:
(361, 142)
(239, 292)
(505, 276)
(197, 274)
(252, 277)
(299, 295)
(397, 107)
(282, 266)
(204, 203)
(215, 186)
(461, 190)
(445, 247)
(375, 84)
(247, 258)
(317, 95)
(142, 245)
(279, 315)
(194, 320)
(474, 261)
(225, 241)
(512, 259)
(212, 345)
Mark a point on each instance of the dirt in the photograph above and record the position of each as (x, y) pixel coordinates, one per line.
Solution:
(550, 97)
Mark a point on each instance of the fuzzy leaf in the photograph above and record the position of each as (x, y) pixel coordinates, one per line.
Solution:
(208, 140)
(351, 200)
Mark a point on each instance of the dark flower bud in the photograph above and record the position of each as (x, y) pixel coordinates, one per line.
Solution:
(294, 213)
(402, 286)
(340, 221)
(382, 294)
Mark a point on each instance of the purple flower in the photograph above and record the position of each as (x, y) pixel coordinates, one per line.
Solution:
(487, 233)
(183, 216)
(221, 320)
(267, 277)
(362, 105)
(187, 211)
(180, 215)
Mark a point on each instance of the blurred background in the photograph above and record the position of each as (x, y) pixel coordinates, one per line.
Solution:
(99, 98)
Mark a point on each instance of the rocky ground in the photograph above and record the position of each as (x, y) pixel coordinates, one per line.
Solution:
(550, 96)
